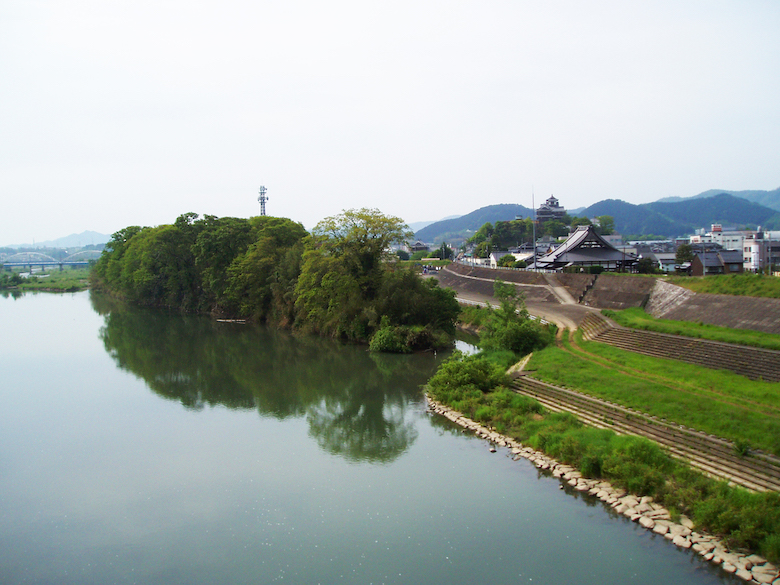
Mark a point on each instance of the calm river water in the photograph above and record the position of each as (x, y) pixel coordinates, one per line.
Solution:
(142, 447)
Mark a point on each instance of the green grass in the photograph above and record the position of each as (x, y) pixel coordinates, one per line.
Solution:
(66, 280)
(746, 284)
(474, 316)
(713, 401)
(640, 466)
(637, 319)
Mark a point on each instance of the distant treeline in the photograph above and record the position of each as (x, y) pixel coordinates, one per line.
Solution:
(335, 281)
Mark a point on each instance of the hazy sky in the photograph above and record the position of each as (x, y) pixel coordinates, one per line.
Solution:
(132, 112)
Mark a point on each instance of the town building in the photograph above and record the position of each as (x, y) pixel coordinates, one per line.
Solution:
(706, 263)
(585, 248)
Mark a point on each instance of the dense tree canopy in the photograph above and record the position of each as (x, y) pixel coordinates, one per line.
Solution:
(503, 234)
(334, 281)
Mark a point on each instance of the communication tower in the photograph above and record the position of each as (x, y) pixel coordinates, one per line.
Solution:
(262, 199)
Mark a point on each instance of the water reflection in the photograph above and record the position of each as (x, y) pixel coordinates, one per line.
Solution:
(355, 402)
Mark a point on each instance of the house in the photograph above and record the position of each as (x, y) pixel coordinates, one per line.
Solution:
(664, 261)
(418, 246)
(496, 256)
(717, 262)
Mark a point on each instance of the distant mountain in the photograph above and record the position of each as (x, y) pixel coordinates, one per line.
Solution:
(769, 199)
(71, 241)
(418, 225)
(461, 228)
(683, 217)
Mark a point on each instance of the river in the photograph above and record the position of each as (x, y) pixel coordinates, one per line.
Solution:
(138, 446)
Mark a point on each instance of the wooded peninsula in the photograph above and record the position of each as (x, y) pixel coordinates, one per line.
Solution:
(336, 281)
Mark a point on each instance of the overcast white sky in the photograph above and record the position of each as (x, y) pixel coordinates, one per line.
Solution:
(132, 112)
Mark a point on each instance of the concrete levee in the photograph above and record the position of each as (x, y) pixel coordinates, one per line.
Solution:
(619, 291)
(481, 287)
(507, 274)
(758, 314)
(576, 284)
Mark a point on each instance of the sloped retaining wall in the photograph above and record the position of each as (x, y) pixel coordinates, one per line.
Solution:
(613, 291)
(668, 301)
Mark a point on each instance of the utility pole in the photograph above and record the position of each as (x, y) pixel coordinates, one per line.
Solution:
(262, 199)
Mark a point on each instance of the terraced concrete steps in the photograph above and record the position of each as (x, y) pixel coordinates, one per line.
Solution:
(751, 362)
(713, 455)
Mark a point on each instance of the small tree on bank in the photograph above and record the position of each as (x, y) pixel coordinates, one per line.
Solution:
(510, 326)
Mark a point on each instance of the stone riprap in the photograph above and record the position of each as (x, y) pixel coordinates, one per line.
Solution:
(640, 509)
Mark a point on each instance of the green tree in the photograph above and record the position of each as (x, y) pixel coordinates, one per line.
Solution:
(220, 240)
(646, 266)
(510, 326)
(483, 234)
(342, 272)
(109, 266)
(361, 238)
(606, 225)
(261, 282)
(444, 252)
(507, 261)
(683, 254)
(555, 228)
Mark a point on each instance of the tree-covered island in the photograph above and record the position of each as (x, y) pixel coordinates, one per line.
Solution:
(335, 281)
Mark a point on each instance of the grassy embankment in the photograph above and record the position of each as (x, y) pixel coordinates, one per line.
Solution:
(746, 284)
(728, 405)
(67, 280)
(637, 319)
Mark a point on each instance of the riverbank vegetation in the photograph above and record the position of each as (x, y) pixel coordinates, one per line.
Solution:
(724, 404)
(637, 318)
(480, 390)
(335, 281)
(56, 280)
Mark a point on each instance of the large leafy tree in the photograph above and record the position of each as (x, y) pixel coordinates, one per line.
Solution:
(606, 225)
(342, 272)
(261, 282)
(346, 290)
(360, 239)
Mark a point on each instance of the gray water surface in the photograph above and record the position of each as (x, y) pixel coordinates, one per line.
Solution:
(142, 447)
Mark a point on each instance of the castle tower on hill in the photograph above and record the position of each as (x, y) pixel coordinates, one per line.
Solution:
(550, 210)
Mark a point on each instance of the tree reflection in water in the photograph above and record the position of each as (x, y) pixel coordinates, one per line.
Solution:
(356, 403)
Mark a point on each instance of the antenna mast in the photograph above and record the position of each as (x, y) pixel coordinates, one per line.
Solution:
(533, 204)
(262, 199)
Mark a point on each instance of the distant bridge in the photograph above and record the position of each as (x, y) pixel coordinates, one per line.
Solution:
(30, 259)
(43, 263)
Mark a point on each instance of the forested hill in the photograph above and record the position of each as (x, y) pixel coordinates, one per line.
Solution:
(463, 227)
(769, 199)
(683, 217)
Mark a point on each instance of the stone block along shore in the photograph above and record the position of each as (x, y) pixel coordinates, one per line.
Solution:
(640, 509)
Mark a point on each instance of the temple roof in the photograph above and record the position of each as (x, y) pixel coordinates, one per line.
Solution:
(585, 246)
